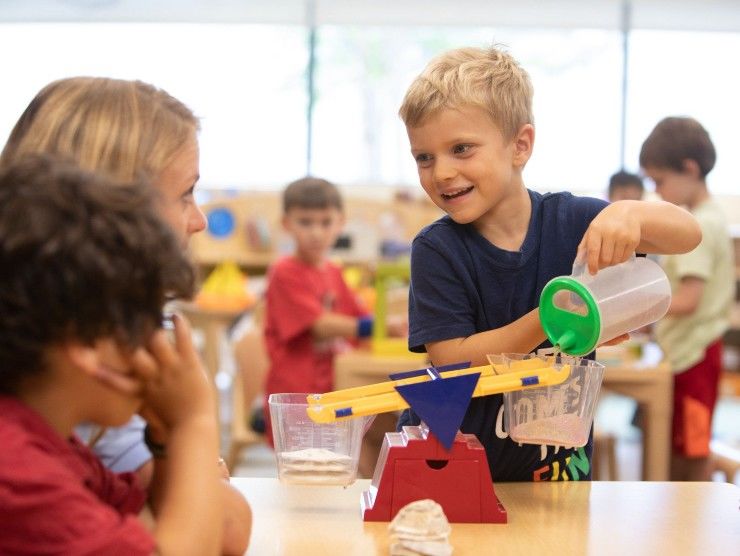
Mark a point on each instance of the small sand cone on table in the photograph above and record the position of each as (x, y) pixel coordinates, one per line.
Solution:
(420, 529)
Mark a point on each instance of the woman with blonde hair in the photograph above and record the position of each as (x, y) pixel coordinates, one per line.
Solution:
(124, 129)
(128, 130)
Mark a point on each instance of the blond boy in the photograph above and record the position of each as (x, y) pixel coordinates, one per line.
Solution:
(476, 274)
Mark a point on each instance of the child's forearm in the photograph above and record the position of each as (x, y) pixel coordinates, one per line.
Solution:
(186, 495)
(237, 521)
(521, 336)
(665, 228)
(685, 300)
(334, 325)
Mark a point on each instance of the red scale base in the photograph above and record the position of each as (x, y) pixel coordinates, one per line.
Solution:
(413, 465)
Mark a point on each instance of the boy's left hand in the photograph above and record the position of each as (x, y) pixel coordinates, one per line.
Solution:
(610, 238)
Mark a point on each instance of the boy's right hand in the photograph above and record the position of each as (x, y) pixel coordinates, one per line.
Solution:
(610, 239)
(176, 384)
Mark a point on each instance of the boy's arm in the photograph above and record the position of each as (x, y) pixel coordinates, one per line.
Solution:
(237, 515)
(237, 521)
(344, 324)
(686, 298)
(333, 325)
(186, 495)
(624, 227)
(521, 336)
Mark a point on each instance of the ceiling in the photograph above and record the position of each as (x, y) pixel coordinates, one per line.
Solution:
(705, 15)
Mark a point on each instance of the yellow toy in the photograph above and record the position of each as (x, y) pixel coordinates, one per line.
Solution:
(381, 344)
(383, 397)
(435, 460)
(225, 288)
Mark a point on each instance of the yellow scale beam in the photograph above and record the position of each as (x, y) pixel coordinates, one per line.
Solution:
(383, 397)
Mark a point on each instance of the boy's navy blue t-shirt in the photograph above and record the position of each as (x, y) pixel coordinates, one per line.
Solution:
(462, 284)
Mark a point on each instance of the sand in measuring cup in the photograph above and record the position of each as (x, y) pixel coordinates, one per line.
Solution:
(559, 430)
(316, 466)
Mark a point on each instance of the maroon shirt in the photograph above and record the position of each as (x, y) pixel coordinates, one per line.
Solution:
(57, 498)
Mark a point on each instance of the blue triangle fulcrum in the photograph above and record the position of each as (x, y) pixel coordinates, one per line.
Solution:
(441, 403)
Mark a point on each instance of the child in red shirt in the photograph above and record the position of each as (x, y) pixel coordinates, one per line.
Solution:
(311, 311)
(86, 266)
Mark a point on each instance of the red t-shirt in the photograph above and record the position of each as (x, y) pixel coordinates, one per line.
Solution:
(57, 498)
(297, 294)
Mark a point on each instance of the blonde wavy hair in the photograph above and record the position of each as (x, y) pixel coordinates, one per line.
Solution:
(125, 129)
(488, 78)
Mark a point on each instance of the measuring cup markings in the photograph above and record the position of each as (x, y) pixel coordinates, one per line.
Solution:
(309, 452)
(557, 415)
(551, 403)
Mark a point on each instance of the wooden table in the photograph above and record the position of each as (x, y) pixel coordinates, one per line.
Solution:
(361, 367)
(648, 381)
(598, 518)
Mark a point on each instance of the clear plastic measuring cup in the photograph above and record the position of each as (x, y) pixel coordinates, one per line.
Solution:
(310, 453)
(581, 311)
(559, 415)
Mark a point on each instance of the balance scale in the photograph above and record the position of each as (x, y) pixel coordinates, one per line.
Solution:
(433, 460)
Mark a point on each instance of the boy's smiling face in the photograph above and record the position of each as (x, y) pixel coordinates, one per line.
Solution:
(465, 164)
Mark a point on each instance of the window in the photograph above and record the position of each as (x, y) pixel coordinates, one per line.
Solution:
(245, 81)
(363, 73)
(679, 73)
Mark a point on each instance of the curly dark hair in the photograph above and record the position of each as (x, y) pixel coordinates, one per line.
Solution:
(81, 258)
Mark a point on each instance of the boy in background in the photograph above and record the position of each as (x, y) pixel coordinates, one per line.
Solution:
(477, 273)
(311, 313)
(624, 186)
(86, 266)
(677, 155)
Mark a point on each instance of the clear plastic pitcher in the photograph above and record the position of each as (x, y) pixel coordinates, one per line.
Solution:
(581, 311)
(310, 453)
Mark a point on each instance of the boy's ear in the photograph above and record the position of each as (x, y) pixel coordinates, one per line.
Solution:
(523, 145)
(691, 167)
(84, 357)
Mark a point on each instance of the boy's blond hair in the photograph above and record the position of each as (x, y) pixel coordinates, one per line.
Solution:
(488, 78)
